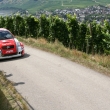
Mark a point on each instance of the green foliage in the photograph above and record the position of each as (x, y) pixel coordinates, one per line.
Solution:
(18, 25)
(106, 43)
(59, 31)
(106, 26)
(4, 104)
(32, 26)
(82, 37)
(91, 38)
(9, 23)
(44, 26)
(2, 22)
(73, 28)
(99, 39)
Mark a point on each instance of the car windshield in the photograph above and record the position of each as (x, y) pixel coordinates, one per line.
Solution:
(5, 35)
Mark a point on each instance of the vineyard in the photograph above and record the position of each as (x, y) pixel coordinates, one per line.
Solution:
(91, 38)
(35, 5)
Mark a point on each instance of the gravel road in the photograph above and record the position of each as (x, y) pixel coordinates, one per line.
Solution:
(50, 82)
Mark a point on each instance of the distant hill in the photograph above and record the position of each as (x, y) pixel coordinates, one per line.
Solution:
(36, 5)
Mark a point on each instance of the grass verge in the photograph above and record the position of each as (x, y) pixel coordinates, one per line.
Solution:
(10, 99)
(100, 63)
(4, 104)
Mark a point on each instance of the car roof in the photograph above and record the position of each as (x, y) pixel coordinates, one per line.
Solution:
(3, 29)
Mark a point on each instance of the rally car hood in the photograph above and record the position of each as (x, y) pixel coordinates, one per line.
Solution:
(8, 46)
(8, 41)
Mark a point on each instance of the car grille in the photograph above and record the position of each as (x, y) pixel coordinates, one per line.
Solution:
(8, 47)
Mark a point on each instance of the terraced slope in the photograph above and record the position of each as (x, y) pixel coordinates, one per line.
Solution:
(34, 5)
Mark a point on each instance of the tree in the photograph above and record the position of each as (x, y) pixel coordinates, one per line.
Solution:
(32, 26)
(18, 25)
(73, 28)
(9, 23)
(44, 26)
(93, 34)
(2, 22)
(59, 30)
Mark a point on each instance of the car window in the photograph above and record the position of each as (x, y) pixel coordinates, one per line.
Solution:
(5, 35)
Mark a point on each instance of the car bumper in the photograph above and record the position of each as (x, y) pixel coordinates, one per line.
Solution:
(11, 56)
(19, 53)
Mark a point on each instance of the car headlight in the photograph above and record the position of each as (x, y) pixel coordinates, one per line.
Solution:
(0, 52)
(18, 44)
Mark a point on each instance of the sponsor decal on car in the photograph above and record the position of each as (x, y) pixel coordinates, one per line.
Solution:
(9, 51)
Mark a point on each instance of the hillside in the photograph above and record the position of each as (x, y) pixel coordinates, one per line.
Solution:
(35, 5)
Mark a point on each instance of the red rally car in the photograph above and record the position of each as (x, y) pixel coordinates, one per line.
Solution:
(9, 46)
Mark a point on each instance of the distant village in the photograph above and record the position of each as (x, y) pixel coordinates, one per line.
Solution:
(98, 13)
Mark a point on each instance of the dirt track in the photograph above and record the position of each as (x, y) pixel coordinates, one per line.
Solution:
(49, 82)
